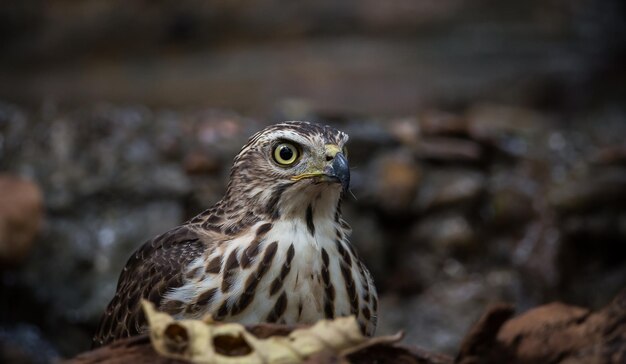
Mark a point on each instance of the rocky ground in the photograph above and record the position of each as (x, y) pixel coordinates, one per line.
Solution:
(450, 211)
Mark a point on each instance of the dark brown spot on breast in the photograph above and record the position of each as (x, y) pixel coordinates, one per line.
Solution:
(250, 253)
(244, 301)
(329, 289)
(270, 251)
(254, 278)
(284, 271)
(325, 258)
(221, 312)
(279, 308)
(263, 229)
(203, 301)
(276, 285)
(366, 313)
(214, 265)
(309, 220)
(206, 297)
(263, 267)
(350, 289)
(329, 310)
(330, 292)
(290, 253)
(252, 249)
(345, 254)
(252, 281)
(326, 276)
(229, 270)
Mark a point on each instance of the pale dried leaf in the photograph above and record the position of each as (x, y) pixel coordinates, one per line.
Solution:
(203, 341)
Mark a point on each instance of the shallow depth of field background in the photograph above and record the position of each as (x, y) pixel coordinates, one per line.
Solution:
(488, 146)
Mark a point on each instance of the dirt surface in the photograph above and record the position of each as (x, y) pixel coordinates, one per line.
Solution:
(553, 333)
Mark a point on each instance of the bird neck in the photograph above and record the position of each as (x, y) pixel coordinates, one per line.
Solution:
(311, 205)
(323, 199)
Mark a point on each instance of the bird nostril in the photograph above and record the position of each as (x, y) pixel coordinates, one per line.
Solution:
(329, 158)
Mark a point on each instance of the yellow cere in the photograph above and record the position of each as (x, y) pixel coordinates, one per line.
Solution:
(332, 150)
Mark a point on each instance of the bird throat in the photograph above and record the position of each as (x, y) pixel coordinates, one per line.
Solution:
(314, 204)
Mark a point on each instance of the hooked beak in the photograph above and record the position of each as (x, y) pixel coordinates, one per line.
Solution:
(339, 170)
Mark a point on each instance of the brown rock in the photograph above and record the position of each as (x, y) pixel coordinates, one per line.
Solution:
(562, 333)
(553, 333)
(21, 216)
(481, 339)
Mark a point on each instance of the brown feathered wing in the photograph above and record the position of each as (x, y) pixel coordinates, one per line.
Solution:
(154, 269)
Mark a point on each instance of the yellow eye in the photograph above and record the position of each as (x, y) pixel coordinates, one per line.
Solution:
(285, 154)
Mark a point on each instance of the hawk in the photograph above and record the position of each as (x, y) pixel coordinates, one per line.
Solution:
(274, 249)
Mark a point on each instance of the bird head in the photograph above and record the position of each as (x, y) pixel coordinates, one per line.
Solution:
(285, 166)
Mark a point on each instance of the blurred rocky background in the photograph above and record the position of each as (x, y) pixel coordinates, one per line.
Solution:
(488, 146)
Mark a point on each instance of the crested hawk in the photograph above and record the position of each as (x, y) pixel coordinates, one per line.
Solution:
(274, 249)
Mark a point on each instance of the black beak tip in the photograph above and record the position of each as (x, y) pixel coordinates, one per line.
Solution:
(341, 170)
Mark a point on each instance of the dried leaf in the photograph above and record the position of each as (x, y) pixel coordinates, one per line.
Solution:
(203, 341)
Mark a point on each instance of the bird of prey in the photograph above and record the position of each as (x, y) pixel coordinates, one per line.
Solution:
(274, 249)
